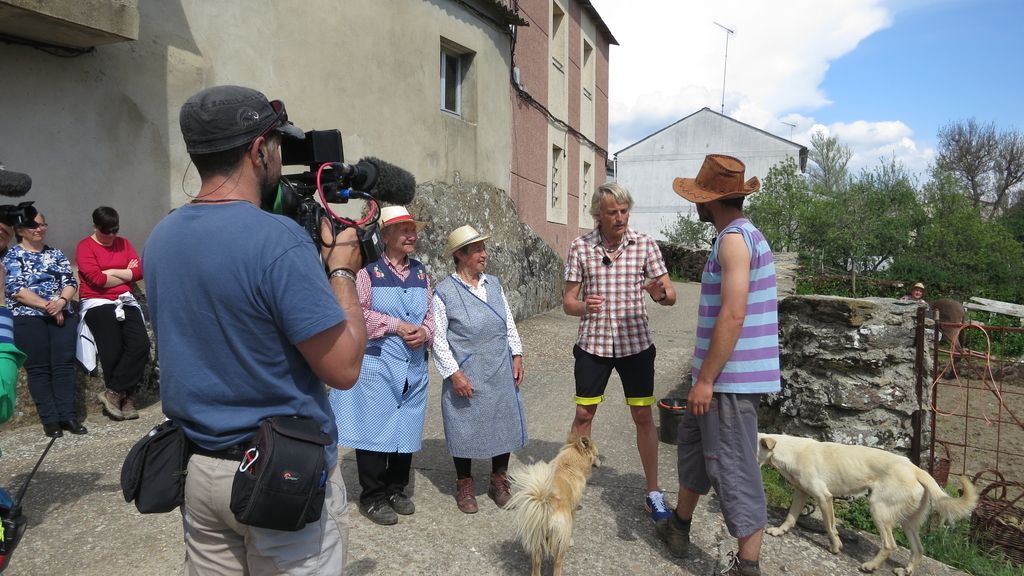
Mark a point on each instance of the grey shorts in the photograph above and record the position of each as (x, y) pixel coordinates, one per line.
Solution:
(719, 449)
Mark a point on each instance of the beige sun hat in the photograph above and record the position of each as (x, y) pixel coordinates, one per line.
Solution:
(463, 236)
(395, 214)
(720, 177)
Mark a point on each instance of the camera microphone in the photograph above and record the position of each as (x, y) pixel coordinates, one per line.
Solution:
(14, 183)
(382, 180)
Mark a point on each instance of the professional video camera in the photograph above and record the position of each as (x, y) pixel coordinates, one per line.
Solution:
(335, 182)
(21, 214)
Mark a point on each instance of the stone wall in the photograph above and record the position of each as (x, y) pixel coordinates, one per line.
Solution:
(847, 371)
(529, 270)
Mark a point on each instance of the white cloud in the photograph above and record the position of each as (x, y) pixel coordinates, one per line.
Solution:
(670, 65)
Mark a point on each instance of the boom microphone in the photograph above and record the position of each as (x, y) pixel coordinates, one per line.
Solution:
(14, 183)
(394, 185)
(382, 180)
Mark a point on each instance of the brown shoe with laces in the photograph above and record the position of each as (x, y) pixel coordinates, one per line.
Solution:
(499, 489)
(111, 402)
(464, 495)
(128, 406)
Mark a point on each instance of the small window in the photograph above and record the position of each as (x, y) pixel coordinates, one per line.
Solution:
(556, 176)
(451, 82)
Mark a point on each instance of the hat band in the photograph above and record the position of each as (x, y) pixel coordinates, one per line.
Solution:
(400, 218)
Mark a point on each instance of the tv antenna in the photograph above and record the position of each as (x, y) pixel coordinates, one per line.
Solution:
(725, 64)
(791, 126)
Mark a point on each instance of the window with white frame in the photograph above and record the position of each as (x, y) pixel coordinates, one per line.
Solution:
(586, 195)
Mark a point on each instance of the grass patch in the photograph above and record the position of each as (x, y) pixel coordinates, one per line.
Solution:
(949, 545)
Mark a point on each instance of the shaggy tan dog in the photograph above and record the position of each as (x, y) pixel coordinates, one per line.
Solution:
(545, 497)
(899, 492)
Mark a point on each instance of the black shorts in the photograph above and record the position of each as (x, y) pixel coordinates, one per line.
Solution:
(636, 371)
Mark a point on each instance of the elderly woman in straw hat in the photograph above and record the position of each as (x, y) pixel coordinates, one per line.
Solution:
(479, 354)
(382, 416)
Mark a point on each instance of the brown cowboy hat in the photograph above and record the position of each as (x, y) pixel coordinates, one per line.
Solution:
(719, 178)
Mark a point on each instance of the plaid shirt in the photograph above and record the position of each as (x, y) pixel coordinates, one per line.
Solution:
(620, 328)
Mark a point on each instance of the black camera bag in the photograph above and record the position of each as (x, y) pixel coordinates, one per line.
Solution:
(153, 473)
(282, 479)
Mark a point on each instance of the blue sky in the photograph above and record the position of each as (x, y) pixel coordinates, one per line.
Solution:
(882, 75)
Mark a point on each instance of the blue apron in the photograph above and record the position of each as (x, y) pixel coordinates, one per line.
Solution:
(385, 410)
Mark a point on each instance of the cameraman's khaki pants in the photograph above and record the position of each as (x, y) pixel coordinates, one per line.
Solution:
(217, 544)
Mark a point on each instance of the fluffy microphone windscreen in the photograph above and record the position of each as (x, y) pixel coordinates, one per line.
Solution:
(394, 185)
(14, 183)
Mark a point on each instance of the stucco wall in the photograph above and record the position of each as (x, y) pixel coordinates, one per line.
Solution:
(102, 128)
(648, 167)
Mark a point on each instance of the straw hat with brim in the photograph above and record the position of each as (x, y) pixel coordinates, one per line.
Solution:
(463, 236)
(919, 285)
(719, 178)
(397, 214)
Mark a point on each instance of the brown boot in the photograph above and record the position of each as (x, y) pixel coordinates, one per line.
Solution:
(111, 404)
(464, 495)
(499, 489)
(128, 406)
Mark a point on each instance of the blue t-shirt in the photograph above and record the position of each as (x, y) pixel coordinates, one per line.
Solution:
(231, 290)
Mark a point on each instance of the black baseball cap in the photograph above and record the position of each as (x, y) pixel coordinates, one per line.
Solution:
(225, 117)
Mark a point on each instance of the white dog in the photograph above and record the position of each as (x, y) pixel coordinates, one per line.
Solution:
(900, 493)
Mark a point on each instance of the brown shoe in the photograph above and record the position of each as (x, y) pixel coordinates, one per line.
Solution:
(128, 407)
(499, 489)
(464, 495)
(111, 404)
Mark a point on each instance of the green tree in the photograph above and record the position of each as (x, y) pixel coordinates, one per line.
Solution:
(777, 209)
(959, 253)
(690, 232)
(829, 160)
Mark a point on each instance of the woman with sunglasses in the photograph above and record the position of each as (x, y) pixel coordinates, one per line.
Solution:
(108, 266)
(39, 288)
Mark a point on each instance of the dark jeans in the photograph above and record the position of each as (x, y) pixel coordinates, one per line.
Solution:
(49, 364)
(123, 346)
(382, 474)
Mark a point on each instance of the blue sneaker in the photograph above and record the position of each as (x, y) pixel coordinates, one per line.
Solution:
(655, 505)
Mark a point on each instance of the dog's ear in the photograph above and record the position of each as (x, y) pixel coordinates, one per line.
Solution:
(584, 442)
(768, 443)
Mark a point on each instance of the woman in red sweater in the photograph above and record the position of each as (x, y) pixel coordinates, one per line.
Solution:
(107, 266)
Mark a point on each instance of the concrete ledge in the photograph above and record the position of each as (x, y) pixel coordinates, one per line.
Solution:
(72, 23)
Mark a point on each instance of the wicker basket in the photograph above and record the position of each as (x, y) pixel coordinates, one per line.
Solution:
(998, 521)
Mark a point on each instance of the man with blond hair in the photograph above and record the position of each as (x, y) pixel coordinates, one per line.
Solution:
(606, 274)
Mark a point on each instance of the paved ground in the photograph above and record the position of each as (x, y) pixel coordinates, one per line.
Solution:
(81, 525)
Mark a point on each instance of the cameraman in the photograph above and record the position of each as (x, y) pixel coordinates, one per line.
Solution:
(247, 327)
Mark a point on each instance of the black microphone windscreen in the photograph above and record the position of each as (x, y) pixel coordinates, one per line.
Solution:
(14, 183)
(394, 185)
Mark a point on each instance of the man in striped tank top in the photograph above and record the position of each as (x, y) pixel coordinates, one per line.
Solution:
(735, 361)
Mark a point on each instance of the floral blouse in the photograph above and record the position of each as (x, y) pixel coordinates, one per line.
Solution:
(46, 273)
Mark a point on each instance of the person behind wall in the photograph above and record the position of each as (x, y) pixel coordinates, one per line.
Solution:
(382, 416)
(916, 293)
(735, 361)
(248, 327)
(606, 275)
(478, 352)
(108, 266)
(11, 358)
(39, 286)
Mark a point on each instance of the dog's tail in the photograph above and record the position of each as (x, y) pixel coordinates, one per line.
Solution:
(948, 508)
(532, 500)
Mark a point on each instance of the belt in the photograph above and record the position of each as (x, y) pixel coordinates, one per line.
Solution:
(230, 453)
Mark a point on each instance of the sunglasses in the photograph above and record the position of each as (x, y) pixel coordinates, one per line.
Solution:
(111, 230)
(282, 117)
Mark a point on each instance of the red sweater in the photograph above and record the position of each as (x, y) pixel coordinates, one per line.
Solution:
(93, 258)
